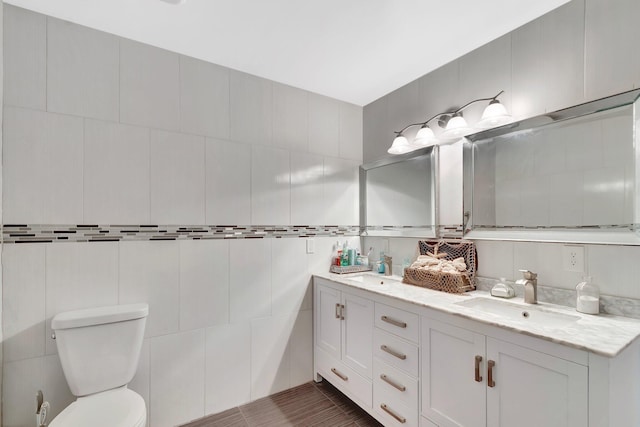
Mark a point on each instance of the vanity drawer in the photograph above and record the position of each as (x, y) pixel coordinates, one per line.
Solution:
(393, 411)
(394, 382)
(395, 351)
(344, 378)
(399, 322)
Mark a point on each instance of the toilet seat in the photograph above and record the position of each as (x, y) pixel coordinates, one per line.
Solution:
(120, 407)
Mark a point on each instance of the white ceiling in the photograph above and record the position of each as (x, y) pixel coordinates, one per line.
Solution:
(352, 50)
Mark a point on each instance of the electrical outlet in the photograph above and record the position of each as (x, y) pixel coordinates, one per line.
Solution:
(573, 258)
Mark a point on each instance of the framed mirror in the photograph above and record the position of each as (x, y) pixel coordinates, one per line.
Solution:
(566, 176)
(398, 195)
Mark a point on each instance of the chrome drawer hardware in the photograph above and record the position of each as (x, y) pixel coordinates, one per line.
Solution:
(490, 381)
(394, 322)
(386, 379)
(393, 414)
(393, 352)
(337, 310)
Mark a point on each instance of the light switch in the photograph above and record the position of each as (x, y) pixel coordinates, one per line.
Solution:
(311, 246)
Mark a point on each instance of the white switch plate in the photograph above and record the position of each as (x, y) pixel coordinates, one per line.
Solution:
(311, 246)
(573, 258)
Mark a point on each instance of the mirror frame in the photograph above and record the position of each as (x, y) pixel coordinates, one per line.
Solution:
(623, 235)
(430, 155)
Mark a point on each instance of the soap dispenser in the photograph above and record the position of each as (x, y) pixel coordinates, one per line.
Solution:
(502, 289)
(587, 297)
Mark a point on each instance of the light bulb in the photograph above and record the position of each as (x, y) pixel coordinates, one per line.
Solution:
(400, 145)
(494, 115)
(457, 128)
(424, 138)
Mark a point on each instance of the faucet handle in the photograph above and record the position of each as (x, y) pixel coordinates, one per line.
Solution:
(529, 275)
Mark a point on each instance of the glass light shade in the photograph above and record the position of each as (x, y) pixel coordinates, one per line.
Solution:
(424, 138)
(457, 128)
(494, 115)
(400, 145)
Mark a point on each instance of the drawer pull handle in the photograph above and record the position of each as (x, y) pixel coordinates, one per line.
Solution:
(490, 381)
(393, 352)
(341, 376)
(386, 379)
(394, 322)
(478, 376)
(342, 312)
(386, 409)
(337, 310)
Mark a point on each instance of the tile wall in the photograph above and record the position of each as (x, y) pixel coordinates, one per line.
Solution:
(113, 134)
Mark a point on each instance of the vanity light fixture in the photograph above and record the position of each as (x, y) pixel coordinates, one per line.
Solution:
(455, 126)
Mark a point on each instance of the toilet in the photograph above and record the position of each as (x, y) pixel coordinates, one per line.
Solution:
(99, 350)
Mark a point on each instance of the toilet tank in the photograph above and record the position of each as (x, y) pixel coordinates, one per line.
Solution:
(99, 347)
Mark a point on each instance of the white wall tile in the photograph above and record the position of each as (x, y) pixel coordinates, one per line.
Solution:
(301, 348)
(149, 272)
(177, 378)
(228, 182)
(20, 382)
(204, 283)
(204, 98)
(341, 192)
(116, 173)
(177, 178)
(290, 117)
(290, 276)
(324, 125)
(25, 58)
(614, 269)
(307, 180)
(566, 199)
(228, 367)
(495, 259)
(320, 260)
(249, 279)
(270, 186)
(42, 167)
(351, 132)
(149, 86)
(251, 109)
(79, 275)
(82, 71)
(270, 358)
(23, 313)
(604, 199)
(534, 201)
(375, 130)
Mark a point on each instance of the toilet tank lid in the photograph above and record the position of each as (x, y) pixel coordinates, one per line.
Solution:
(99, 316)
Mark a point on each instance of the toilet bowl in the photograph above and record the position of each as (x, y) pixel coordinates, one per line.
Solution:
(99, 350)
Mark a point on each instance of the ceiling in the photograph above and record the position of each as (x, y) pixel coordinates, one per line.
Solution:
(352, 50)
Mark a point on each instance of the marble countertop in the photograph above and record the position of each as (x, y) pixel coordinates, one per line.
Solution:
(602, 334)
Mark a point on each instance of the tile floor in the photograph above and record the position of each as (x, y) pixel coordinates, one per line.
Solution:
(307, 405)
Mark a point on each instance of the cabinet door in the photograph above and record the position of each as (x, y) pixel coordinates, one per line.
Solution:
(328, 324)
(451, 396)
(533, 389)
(357, 336)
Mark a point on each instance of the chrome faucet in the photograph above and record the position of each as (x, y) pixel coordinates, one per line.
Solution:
(388, 265)
(530, 283)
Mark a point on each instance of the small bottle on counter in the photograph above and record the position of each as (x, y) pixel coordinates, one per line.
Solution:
(588, 297)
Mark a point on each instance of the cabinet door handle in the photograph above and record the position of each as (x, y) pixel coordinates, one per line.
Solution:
(342, 312)
(386, 379)
(490, 381)
(341, 376)
(393, 352)
(394, 322)
(478, 376)
(337, 310)
(386, 409)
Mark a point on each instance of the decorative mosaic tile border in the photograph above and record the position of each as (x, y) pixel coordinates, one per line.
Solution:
(620, 306)
(39, 233)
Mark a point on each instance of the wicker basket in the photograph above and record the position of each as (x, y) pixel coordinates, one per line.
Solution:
(440, 281)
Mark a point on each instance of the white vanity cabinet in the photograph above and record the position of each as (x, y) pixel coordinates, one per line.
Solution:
(343, 326)
(470, 379)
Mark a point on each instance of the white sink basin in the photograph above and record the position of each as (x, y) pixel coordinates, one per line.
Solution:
(374, 278)
(523, 313)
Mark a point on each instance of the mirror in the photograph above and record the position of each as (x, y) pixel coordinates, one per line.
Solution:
(564, 176)
(398, 195)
